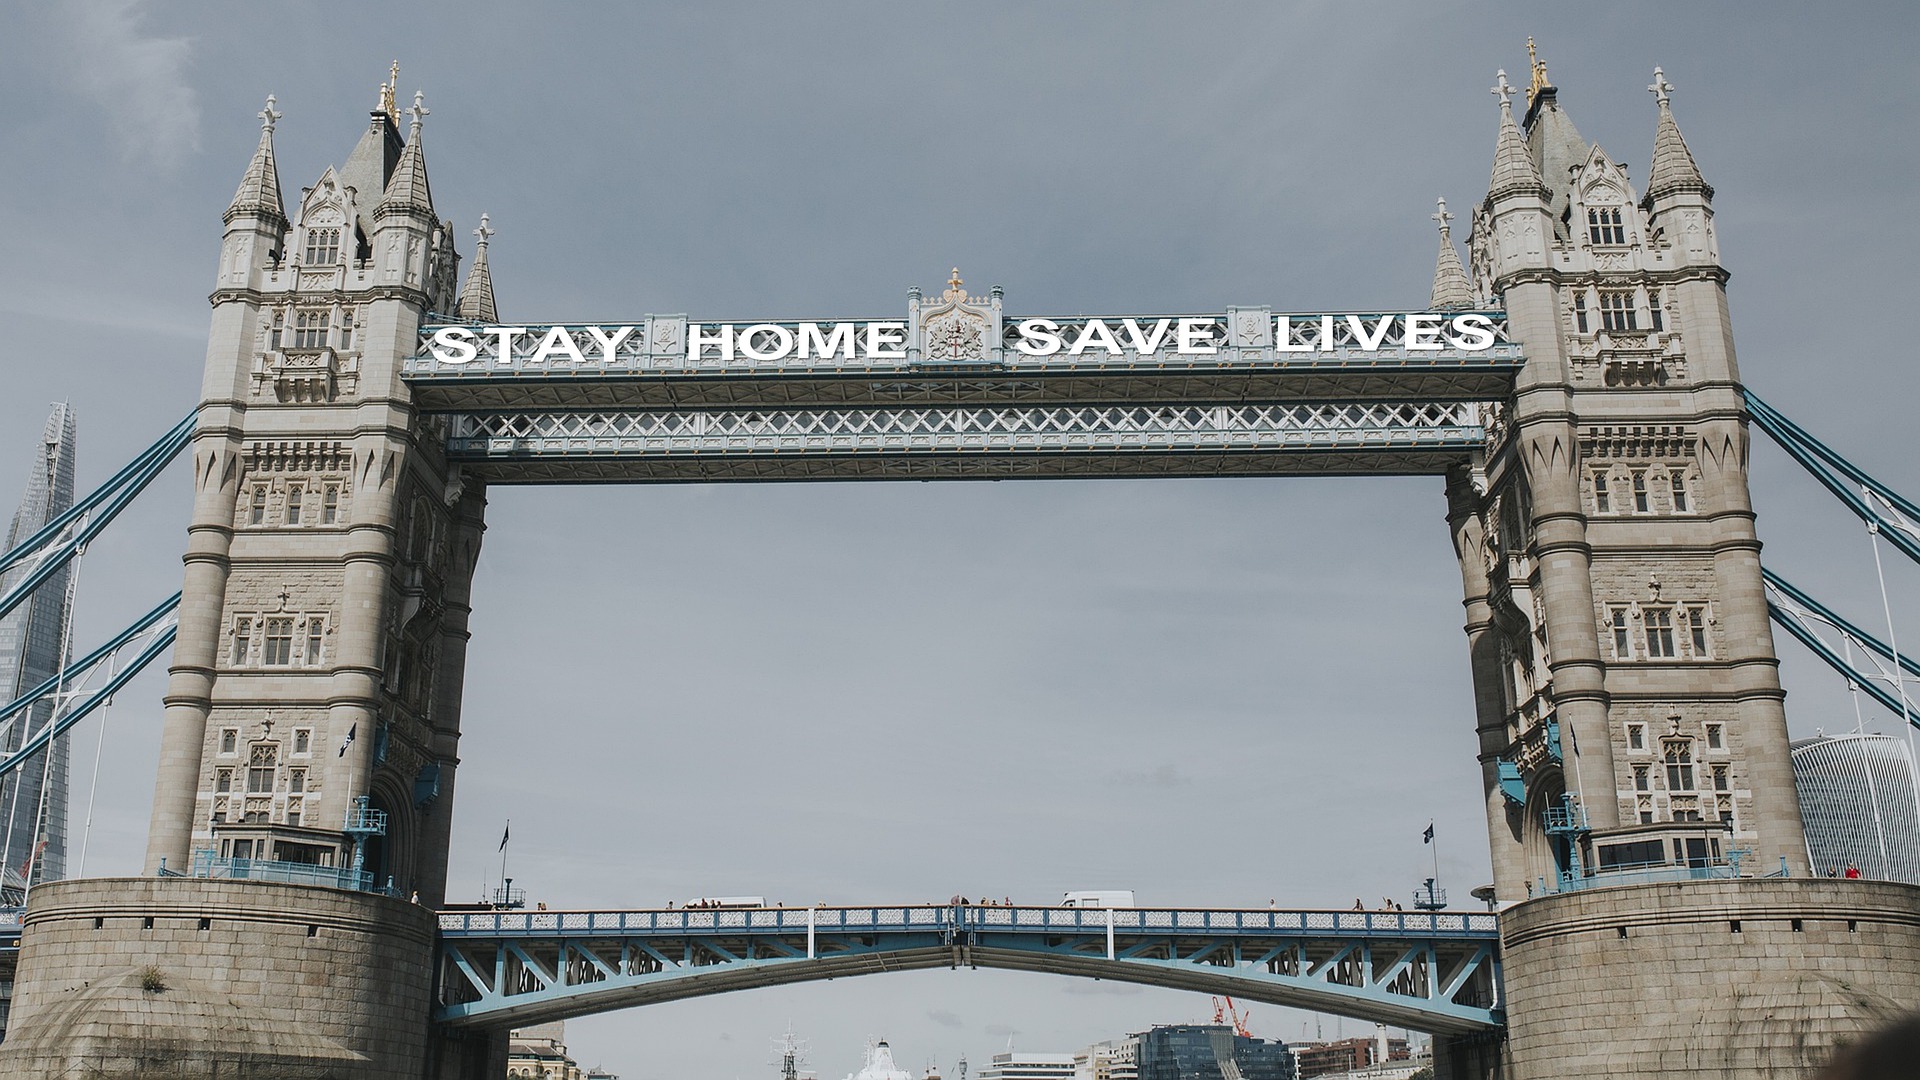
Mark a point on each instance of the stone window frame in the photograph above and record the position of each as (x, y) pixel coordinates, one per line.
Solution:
(1618, 311)
(1606, 226)
(1716, 737)
(322, 246)
(330, 503)
(295, 505)
(1580, 324)
(1679, 496)
(276, 640)
(1656, 315)
(1620, 636)
(241, 633)
(257, 506)
(312, 327)
(229, 742)
(1637, 737)
(302, 629)
(1642, 495)
(263, 764)
(1603, 491)
(1657, 632)
(302, 742)
(1696, 620)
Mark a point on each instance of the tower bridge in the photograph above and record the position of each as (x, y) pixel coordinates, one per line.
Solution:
(1573, 381)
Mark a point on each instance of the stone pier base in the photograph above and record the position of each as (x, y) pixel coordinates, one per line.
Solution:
(1748, 978)
(187, 978)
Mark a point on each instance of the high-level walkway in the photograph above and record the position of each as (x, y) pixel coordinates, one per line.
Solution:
(1432, 971)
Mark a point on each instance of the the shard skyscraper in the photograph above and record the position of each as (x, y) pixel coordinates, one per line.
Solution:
(33, 798)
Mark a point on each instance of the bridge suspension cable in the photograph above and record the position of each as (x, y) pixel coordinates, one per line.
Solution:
(1887, 515)
(91, 681)
(57, 542)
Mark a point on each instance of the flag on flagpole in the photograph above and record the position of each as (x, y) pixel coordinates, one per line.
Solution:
(504, 833)
(1427, 837)
(352, 730)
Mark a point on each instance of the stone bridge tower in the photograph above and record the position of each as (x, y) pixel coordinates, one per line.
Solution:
(323, 633)
(313, 706)
(1632, 729)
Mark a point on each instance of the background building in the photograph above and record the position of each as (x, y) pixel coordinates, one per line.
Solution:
(1111, 1060)
(1014, 1065)
(33, 798)
(1349, 1055)
(1209, 1052)
(540, 1053)
(1860, 803)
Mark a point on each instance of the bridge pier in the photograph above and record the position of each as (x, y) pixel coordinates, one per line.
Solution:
(186, 978)
(1748, 977)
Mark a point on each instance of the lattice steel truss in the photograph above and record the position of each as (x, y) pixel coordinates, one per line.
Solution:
(1168, 440)
(1432, 971)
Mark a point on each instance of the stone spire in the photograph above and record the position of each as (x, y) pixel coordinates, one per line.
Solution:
(1673, 168)
(259, 194)
(476, 297)
(407, 188)
(1513, 167)
(1450, 287)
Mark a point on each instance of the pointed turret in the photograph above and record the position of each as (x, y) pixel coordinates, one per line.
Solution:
(407, 187)
(476, 297)
(259, 194)
(1554, 142)
(1450, 287)
(1513, 167)
(1673, 168)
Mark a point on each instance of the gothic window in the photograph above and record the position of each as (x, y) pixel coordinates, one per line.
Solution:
(1616, 311)
(330, 504)
(1725, 805)
(1716, 740)
(1622, 636)
(296, 781)
(1641, 504)
(1604, 225)
(302, 740)
(1696, 618)
(1659, 622)
(229, 740)
(277, 649)
(1580, 310)
(1686, 808)
(1645, 807)
(323, 247)
(242, 640)
(1602, 497)
(279, 328)
(1677, 482)
(293, 812)
(263, 768)
(1720, 779)
(1642, 781)
(257, 507)
(346, 329)
(223, 781)
(310, 326)
(1637, 736)
(295, 494)
(316, 638)
(1678, 755)
(1657, 318)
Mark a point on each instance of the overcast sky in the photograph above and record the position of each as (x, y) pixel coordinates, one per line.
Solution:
(1211, 692)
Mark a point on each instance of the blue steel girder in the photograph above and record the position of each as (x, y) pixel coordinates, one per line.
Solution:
(1431, 971)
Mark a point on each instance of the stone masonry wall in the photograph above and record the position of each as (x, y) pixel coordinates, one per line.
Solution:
(1706, 979)
(189, 978)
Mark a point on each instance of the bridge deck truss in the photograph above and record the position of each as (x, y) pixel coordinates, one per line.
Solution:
(1431, 971)
(967, 441)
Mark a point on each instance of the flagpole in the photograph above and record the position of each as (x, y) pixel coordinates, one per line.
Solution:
(505, 835)
(1436, 856)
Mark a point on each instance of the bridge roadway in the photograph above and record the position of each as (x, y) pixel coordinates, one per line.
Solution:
(1430, 971)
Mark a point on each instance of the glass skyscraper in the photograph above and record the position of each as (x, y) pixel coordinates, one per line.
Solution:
(33, 798)
(1860, 802)
(1210, 1052)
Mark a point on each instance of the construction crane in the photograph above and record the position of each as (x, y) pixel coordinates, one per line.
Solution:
(1225, 1010)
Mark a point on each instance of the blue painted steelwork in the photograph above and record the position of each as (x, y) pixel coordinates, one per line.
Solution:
(57, 542)
(1831, 470)
(1512, 784)
(1432, 971)
(157, 624)
(1794, 611)
(208, 865)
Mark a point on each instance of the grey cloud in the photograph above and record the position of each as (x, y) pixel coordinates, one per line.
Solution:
(138, 79)
(944, 1018)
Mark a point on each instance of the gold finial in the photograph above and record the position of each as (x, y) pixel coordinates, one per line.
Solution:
(1539, 67)
(387, 89)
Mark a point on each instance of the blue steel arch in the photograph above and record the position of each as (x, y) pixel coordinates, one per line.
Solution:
(1431, 971)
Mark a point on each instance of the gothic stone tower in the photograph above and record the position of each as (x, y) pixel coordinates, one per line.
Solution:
(1628, 700)
(316, 677)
